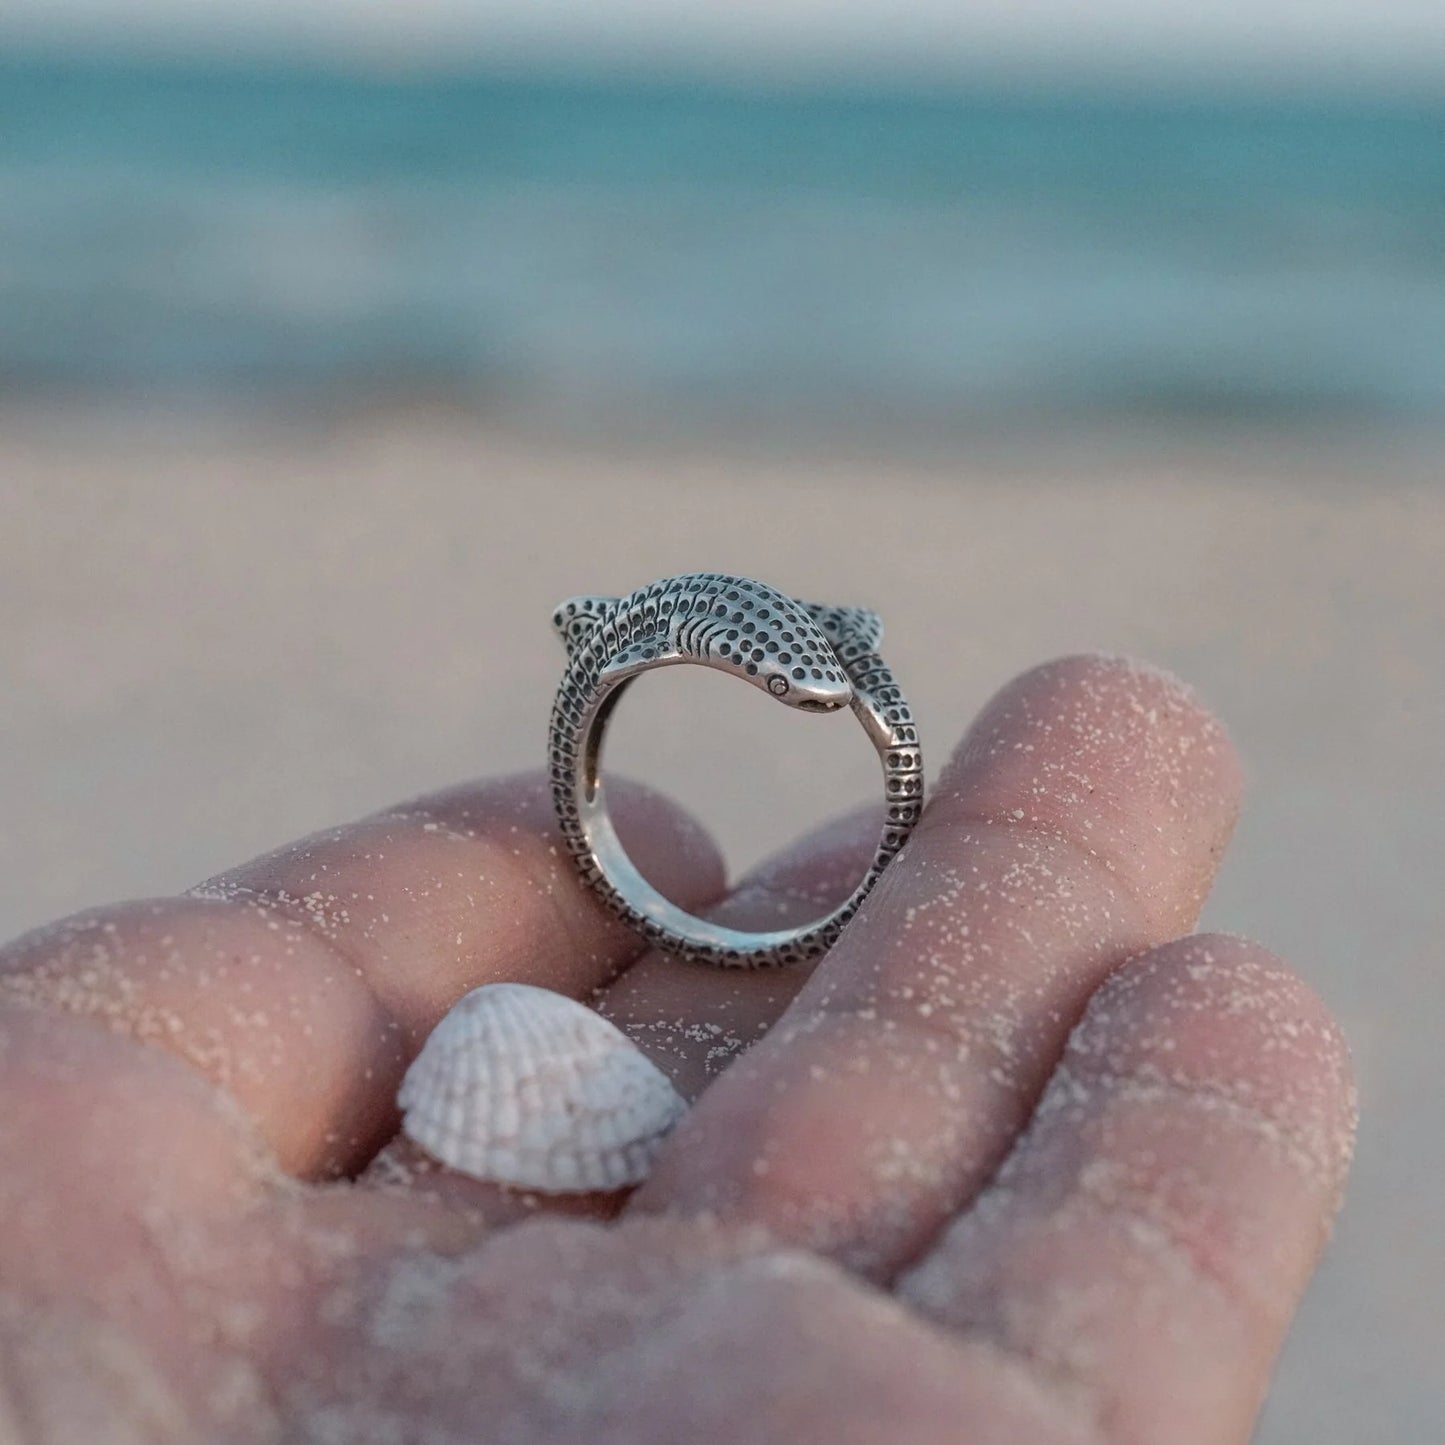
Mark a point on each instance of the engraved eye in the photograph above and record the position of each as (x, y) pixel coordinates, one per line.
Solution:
(777, 685)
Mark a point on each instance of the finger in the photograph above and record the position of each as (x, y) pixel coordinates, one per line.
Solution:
(107, 1148)
(303, 982)
(693, 1022)
(1147, 1240)
(1078, 824)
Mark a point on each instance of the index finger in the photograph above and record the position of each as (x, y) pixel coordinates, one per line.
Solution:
(303, 982)
(1079, 823)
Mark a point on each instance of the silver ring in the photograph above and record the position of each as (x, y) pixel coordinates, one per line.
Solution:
(808, 656)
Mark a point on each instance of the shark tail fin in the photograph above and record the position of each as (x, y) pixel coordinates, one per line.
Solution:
(575, 618)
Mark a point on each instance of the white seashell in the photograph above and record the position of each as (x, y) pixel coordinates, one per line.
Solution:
(523, 1086)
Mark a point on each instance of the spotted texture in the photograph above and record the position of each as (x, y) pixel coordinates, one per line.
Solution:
(806, 655)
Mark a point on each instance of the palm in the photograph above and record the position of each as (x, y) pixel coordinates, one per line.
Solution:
(922, 1210)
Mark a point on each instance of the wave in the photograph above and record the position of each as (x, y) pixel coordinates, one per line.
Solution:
(605, 245)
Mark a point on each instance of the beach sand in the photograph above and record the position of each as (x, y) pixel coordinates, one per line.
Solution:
(216, 633)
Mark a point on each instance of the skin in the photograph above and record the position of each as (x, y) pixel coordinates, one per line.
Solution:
(1020, 1163)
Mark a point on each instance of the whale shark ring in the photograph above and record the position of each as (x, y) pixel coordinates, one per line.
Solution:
(809, 656)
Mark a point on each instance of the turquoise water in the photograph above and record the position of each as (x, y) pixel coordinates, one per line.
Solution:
(610, 247)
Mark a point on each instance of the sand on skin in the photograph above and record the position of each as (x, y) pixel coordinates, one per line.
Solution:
(216, 634)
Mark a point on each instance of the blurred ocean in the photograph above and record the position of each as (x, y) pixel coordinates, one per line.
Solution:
(690, 250)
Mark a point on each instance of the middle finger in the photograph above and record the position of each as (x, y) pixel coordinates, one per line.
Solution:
(691, 1020)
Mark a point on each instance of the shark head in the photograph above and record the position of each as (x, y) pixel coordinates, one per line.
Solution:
(770, 641)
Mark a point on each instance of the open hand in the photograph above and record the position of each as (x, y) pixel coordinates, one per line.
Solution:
(1016, 1164)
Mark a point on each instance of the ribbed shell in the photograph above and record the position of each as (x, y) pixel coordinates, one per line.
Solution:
(526, 1087)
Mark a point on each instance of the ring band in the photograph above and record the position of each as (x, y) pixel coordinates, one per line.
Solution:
(808, 656)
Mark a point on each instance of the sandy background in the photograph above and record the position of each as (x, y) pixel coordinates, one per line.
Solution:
(215, 634)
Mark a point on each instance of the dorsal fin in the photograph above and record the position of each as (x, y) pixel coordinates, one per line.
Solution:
(851, 630)
(577, 616)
